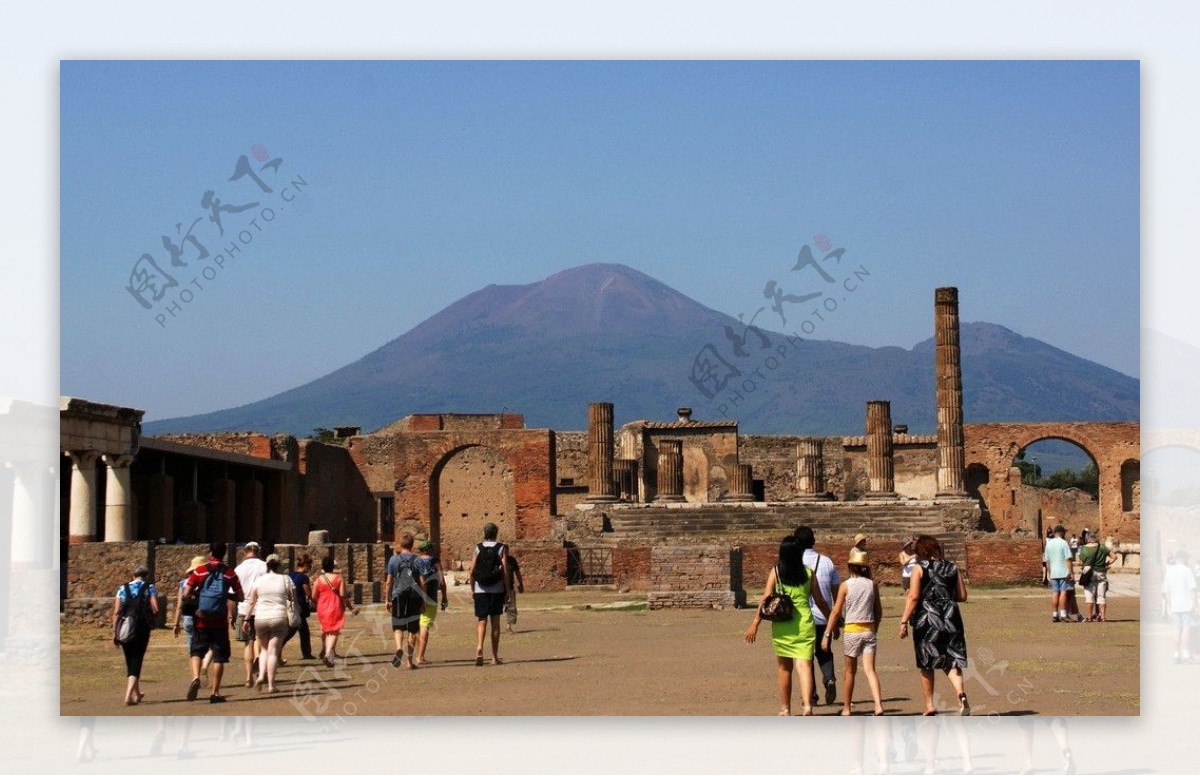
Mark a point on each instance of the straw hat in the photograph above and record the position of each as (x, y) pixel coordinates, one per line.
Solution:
(858, 557)
(859, 537)
(197, 562)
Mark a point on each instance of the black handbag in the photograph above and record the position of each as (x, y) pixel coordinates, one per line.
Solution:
(778, 606)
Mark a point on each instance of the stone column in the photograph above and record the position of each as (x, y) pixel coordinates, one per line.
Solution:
(625, 473)
(33, 516)
(810, 469)
(600, 452)
(880, 472)
(249, 525)
(948, 366)
(670, 470)
(118, 518)
(222, 517)
(741, 483)
(82, 525)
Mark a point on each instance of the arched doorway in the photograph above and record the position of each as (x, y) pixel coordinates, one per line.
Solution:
(975, 479)
(471, 486)
(1059, 483)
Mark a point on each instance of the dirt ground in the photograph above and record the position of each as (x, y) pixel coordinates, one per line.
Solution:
(601, 653)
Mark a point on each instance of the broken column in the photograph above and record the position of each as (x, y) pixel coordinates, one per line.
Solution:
(670, 470)
(741, 484)
(600, 452)
(810, 469)
(948, 374)
(625, 474)
(880, 471)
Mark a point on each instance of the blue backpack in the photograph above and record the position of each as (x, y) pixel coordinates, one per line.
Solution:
(213, 594)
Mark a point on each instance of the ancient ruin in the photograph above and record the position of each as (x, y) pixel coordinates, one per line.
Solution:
(687, 510)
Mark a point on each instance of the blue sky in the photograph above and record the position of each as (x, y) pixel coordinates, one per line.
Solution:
(1018, 182)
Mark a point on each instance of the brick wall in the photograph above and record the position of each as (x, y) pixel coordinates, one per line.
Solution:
(543, 569)
(1004, 561)
(631, 567)
(693, 577)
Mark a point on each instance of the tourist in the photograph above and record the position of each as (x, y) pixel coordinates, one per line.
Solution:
(405, 585)
(1179, 598)
(429, 566)
(516, 584)
(859, 603)
(794, 639)
(136, 598)
(1057, 557)
(828, 580)
(214, 612)
(939, 639)
(1074, 545)
(329, 594)
(489, 580)
(250, 569)
(860, 542)
(267, 615)
(185, 618)
(907, 559)
(1096, 557)
(303, 586)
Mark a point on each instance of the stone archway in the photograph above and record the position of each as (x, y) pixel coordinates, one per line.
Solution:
(995, 445)
(976, 479)
(470, 486)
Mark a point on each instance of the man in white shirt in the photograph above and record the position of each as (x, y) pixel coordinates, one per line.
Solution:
(489, 583)
(827, 577)
(250, 569)
(1179, 594)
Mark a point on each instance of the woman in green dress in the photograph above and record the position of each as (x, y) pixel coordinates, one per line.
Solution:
(795, 639)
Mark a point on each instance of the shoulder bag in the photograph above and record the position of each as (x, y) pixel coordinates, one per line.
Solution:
(778, 606)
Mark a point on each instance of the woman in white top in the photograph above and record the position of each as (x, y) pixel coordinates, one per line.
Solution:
(858, 601)
(908, 559)
(267, 608)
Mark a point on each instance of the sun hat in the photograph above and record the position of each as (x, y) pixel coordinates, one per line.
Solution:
(197, 562)
(858, 557)
(859, 537)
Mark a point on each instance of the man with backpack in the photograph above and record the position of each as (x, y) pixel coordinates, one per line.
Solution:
(405, 583)
(489, 580)
(217, 592)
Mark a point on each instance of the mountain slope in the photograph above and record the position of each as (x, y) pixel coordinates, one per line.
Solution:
(606, 332)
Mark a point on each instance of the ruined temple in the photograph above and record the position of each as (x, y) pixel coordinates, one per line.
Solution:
(685, 508)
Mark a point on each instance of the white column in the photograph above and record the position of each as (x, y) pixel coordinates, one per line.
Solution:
(118, 520)
(32, 517)
(82, 526)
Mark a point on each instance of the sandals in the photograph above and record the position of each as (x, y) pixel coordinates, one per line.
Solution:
(964, 706)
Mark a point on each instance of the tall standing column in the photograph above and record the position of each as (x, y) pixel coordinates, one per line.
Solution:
(880, 472)
(82, 522)
(741, 483)
(118, 518)
(34, 498)
(600, 452)
(810, 469)
(670, 470)
(948, 366)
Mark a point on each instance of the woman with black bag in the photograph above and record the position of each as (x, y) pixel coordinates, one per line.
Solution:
(793, 635)
(137, 600)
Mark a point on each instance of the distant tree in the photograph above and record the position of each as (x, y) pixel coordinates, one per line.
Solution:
(1030, 473)
(323, 435)
(1087, 479)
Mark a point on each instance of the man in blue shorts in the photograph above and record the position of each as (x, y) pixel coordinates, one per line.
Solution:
(489, 580)
(1060, 569)
(212, 629)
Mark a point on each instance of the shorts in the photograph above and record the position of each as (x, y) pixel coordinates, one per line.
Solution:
(1182, 619)
(428, 615)
(237, 630)
(1096, 593)
(489, 605)
(858, 643)
(406, 613)
(216, 639)
(1061, 585)
(271, 629)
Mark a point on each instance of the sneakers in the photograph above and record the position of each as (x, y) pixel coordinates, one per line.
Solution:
(193, 690)
(830, 692)
(216, 699)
